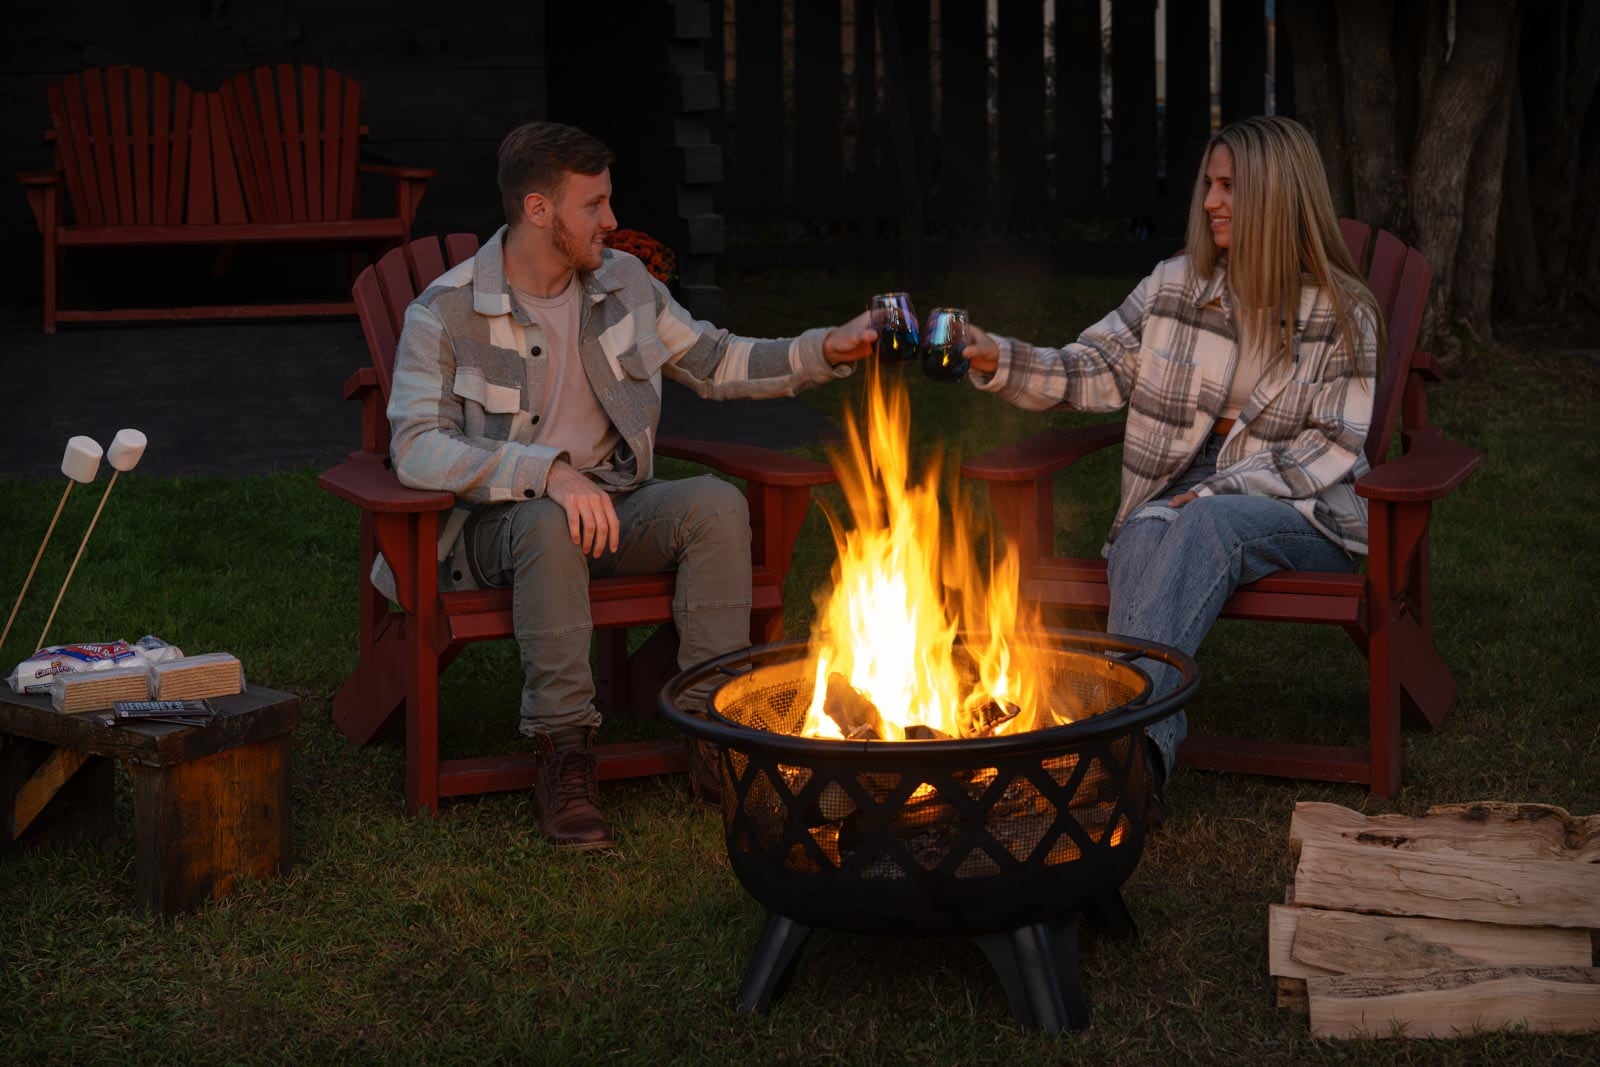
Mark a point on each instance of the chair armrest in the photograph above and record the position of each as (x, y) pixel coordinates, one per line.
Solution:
(749, 462)
(1428, 470)
(1427, 366)
(359, 383)
(367, 483)
(407, 173)
(1045, 454)
(39, 177)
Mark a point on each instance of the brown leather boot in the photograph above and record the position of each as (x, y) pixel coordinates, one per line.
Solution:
(568, 792)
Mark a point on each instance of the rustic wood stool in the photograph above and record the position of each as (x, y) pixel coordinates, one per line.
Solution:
(210, 803)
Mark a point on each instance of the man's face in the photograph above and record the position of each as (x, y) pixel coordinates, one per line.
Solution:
(581, 219)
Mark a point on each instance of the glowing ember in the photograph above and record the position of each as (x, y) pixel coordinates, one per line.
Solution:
(906, 583)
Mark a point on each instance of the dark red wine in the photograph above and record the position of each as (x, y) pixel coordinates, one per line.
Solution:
(945, 363)
(896, 344)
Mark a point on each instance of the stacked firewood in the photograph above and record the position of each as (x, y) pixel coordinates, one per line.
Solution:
(1472, 917)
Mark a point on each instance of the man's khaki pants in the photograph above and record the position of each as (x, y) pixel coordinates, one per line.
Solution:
(698, 527)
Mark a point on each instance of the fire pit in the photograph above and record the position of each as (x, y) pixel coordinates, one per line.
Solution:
(1007, 839)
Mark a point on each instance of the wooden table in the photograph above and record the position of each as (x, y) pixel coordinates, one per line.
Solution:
(210, 803)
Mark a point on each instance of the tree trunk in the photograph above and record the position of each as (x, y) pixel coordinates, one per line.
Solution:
(1454, 114)
(1583, 264)
(1475, 256)
(1518, 277)
(1318, 101)
(1366, 32)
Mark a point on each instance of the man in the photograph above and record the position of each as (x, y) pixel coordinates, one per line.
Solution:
(528, 382)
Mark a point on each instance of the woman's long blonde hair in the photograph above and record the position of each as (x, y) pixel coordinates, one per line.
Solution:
(1284, 234)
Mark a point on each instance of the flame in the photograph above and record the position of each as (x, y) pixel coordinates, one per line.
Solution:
(907, 582)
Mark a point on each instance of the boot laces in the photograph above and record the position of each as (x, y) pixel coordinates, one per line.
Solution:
(573, 774)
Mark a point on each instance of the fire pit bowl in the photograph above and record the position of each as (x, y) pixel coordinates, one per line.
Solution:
(1007, 839)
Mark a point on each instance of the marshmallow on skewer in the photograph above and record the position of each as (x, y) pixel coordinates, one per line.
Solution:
(126, 449)
(81, 461)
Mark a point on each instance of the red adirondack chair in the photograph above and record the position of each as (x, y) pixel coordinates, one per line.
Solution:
(1387, 611)
(403, 649)
(145, 161)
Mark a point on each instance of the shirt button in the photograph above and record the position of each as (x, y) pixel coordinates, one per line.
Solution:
(528, 493)
(535, 351)
(456, 575)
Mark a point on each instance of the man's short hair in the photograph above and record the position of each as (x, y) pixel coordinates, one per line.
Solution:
(536, 157)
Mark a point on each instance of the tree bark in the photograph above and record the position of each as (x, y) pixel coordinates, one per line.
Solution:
(1518, 278)
(1319, 102)
(1474, 267)
(1583, 264)
(1366, 33)
(1454, 114)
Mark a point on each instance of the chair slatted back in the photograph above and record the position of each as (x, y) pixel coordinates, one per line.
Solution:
(295, 131)
(122, 141)
(1356, 236)
(383, 291)
(1413, 279)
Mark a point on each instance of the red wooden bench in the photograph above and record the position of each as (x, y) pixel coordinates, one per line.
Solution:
(142, 160)
(1387, 610)
(404, 648)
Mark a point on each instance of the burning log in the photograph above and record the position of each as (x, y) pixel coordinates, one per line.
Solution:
(1424, 924)
(856, 716)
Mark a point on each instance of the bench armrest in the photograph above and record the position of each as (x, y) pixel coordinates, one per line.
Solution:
(1030, 460)
(1428, 470)
(367, 483)
(360, 383)
(749, 462)
(39, 177)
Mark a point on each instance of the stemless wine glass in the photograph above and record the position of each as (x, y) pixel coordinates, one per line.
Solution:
(895, 320)
(943, 341)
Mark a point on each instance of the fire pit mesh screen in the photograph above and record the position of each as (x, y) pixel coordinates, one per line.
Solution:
(917, 811)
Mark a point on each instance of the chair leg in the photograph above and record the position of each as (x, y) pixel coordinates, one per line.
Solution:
(1384, 608)
(422, 700)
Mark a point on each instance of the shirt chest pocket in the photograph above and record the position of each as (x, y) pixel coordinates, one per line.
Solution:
(495, 380)
(645, 358)
(1167, 392)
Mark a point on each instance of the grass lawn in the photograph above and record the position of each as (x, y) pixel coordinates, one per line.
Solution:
(466, 938)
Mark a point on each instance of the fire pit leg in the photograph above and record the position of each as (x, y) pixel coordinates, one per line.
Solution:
(1109, 916)
(1038, 968)
(771, 966)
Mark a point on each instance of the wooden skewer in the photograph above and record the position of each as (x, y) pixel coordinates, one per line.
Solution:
(36, 558)
(81, 546)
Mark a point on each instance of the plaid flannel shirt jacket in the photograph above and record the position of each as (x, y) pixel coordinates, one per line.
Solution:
(1168, 354)
(470, 377)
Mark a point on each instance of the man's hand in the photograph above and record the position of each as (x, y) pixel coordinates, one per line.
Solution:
(590, 517)
(849, 343)
(981, 351)
(1183, 498)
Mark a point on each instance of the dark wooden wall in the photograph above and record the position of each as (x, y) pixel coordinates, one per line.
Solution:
(442, 84)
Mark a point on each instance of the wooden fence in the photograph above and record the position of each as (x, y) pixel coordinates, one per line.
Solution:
(952, 115)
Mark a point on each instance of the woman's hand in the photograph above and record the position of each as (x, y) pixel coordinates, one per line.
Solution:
(981, 351)
(1182, 498)
(851, 342)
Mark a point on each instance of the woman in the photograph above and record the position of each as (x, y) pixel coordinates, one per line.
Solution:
(1248, 365)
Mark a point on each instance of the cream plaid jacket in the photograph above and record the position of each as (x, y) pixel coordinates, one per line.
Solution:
(1168, 355)
(469, 374)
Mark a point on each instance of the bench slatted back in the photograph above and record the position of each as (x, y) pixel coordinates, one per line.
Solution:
(384, 290)
(123, 143)
(295, 130)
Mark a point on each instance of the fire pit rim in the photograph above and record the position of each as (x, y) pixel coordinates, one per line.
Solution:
(1137, 714)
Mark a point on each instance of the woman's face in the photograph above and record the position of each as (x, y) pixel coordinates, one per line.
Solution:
(1219, 194)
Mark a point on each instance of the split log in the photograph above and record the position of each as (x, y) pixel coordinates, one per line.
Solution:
(1448, 885)
(1310, 942)
(1452, 1003)
(1292, 995)
(1488, 829)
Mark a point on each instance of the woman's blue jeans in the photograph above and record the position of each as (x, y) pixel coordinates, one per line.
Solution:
(1171, 569)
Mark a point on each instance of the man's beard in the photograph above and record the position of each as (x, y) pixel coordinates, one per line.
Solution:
(579, 254)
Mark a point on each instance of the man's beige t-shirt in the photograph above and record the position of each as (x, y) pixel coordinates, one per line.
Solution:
(571, 417)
